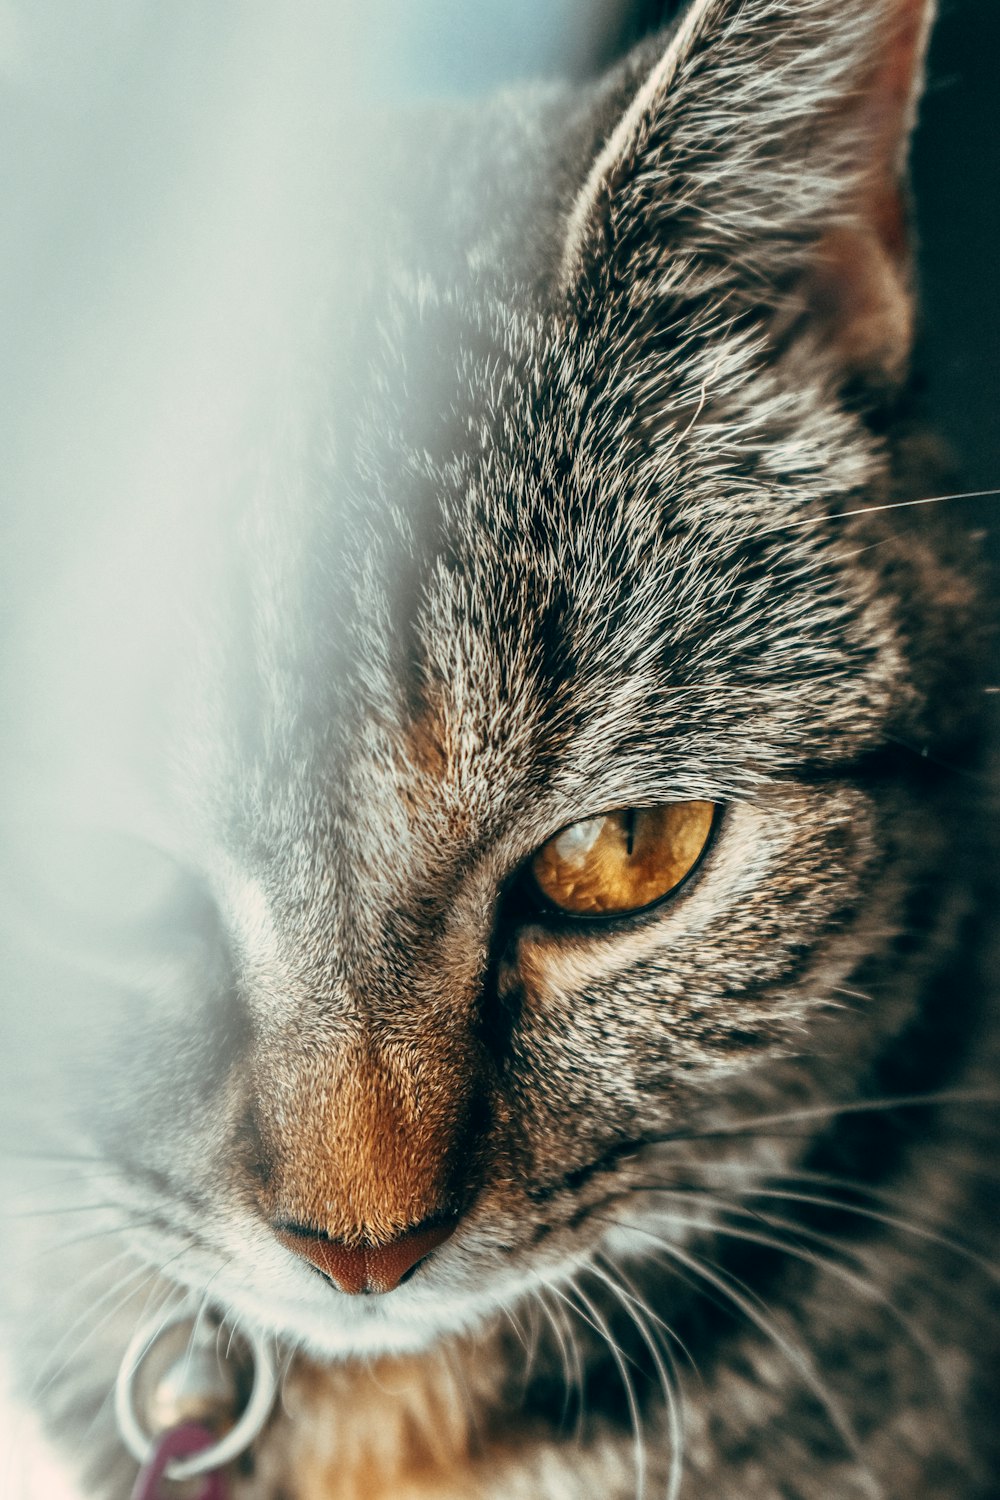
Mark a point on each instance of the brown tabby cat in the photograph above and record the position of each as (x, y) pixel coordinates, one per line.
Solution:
(562, 1032)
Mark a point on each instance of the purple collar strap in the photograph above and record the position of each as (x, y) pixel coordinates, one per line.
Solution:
(179, 1443)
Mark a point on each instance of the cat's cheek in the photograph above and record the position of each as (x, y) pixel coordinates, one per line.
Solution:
(631, 1016)
(556, 965)
(611, 1015)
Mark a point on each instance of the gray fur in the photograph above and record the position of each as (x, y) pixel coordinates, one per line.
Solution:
(597, 518)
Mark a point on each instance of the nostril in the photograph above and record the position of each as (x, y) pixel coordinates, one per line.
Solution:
(345, 1265)
(388, 1264)
(365, 1267)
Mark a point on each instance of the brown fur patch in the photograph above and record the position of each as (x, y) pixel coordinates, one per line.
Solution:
(388, 1431)
(425, 740)
(365, 1143)
(860, 294)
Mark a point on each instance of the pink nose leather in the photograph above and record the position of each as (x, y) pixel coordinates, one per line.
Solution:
(366, 1268)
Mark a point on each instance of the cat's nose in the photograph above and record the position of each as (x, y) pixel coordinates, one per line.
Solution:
(366, 1268)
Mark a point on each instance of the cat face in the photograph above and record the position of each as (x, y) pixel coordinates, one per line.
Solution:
(571, 540)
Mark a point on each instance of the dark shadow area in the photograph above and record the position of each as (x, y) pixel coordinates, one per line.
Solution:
(956, 177)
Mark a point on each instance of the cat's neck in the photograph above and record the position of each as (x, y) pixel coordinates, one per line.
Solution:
(399, 1427)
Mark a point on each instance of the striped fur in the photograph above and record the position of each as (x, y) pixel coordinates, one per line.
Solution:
(594, 506)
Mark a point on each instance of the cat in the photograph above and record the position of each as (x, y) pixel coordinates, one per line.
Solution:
(559, 1018)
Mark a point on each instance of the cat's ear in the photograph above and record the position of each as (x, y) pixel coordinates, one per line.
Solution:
(765, 154)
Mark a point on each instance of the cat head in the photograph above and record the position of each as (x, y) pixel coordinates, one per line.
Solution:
(535, 775)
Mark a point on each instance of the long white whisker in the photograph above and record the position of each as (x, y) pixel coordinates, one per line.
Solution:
(115, 1295)
(829, 1111)
(594, 1318)
(870, 510)
(666, 1372)
(671, 1333)
(168, 1294)
(877, 1216)
(745, 1300)
(571, 1350)
(823, 1263)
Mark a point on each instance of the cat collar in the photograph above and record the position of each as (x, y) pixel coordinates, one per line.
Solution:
(183, 1379)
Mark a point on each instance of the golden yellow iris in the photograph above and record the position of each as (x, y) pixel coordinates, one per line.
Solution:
(622, 861)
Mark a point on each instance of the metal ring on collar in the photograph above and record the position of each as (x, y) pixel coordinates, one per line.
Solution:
(141, 1445)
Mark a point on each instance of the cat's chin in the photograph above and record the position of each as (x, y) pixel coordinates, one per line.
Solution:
(344, 1327)
(334, 1327)
(368, 1326)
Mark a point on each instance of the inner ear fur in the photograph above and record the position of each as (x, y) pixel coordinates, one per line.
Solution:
(771, 137)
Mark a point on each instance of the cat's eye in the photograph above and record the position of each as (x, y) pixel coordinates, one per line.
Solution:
(623, 861)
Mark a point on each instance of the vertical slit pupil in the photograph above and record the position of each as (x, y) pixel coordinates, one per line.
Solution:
(630, 830)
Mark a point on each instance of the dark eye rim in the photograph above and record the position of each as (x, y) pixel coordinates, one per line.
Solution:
(541, 908)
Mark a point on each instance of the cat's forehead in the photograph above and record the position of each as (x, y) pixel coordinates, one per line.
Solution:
(521, 497)
(507, 582)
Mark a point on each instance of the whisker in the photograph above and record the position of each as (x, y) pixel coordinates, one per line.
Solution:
(116, 1291)
(61, 1244)
(196, 1326)
(564, 1357)
(284, 1370)
(591, 1316)
(635, 1309)
(832, 1110)
(518, 1330)
(744, 1299)
(167, 1293)
(870, 510)
(670, 1332)
(889, 1221)
(532, 1311)
(459, 1384)
(18, 1154)
(861, 1284)
(115, 1295)
(64, 1208)
(824, 1179)
(573, 1362)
